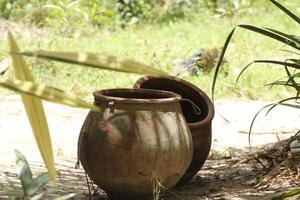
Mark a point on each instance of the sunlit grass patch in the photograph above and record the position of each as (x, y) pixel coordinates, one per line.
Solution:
(161, 46)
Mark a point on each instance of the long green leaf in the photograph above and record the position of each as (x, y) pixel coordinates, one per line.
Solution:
(286, 84)
(283, 83)
(97, 61)
(29, 184)
(297, 61)
(220, 61)
(242, 71)
(35, 111)
(295, 75)
(284, 9)
(282, 102)
(271, 35)
(292, 80)
(24, 172)
(47, 93)
(272, 105)
(287, 64)
(291, 105)
(288, 194)
(289, 76)
(291, 37)
(293, 52)
(253, 120)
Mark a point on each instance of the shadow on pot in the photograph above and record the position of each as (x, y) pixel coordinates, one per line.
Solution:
(199, 125)
(137, 133)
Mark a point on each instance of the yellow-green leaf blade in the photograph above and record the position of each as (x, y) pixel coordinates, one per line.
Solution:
(35, 111)
(19, 64)
(47, 93)
(101, 61)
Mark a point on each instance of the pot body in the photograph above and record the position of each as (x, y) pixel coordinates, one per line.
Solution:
(199, 125)
(140, 134)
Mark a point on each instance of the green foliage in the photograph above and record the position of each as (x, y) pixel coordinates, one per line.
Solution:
(67, 14)
(291, 66)
(29, 90)
(163, 45)
(292, 77)
(23, 10)
(33, 188)
(68, 11)
(288, 194)
(30, 185)
(229, 7)
(47, 93)
(34, 109)
(6, 8)
(98, 61)
(131, 11)
(100, 13)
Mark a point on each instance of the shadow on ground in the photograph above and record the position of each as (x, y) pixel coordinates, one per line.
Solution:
(234, 177)
(69, 180)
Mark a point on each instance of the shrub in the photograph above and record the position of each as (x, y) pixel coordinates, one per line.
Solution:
(120, 13)
(23, 10)
(291, 65)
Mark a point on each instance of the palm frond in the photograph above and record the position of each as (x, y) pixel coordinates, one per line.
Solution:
(284, 9)
(220, 61)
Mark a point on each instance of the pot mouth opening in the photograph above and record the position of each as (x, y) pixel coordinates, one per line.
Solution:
(124, 95)
(187, 91)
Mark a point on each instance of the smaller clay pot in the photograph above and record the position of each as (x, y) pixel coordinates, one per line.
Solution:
(200, 125)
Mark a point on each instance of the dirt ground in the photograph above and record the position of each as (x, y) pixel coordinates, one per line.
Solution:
(228, 174)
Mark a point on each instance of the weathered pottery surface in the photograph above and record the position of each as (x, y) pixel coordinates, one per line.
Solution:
(140, 134)
(199, 125)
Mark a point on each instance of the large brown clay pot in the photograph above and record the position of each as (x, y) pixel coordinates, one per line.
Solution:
(200, 125)
(140, 134)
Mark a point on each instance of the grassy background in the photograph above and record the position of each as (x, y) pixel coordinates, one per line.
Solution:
(160, 45)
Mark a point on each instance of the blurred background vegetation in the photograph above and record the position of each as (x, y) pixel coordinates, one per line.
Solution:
(163, 33)
(112, 13)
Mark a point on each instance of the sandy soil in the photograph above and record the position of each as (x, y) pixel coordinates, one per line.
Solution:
(212, 182)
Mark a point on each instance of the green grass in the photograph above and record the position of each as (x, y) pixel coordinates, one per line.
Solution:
(160, 45)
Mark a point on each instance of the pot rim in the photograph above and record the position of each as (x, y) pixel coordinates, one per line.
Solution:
(167, 97)
(211, 111)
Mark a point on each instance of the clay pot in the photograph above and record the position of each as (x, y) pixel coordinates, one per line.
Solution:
(140, 134)
(200, 125)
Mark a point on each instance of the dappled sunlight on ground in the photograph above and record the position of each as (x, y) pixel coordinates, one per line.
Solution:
(227, 175)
